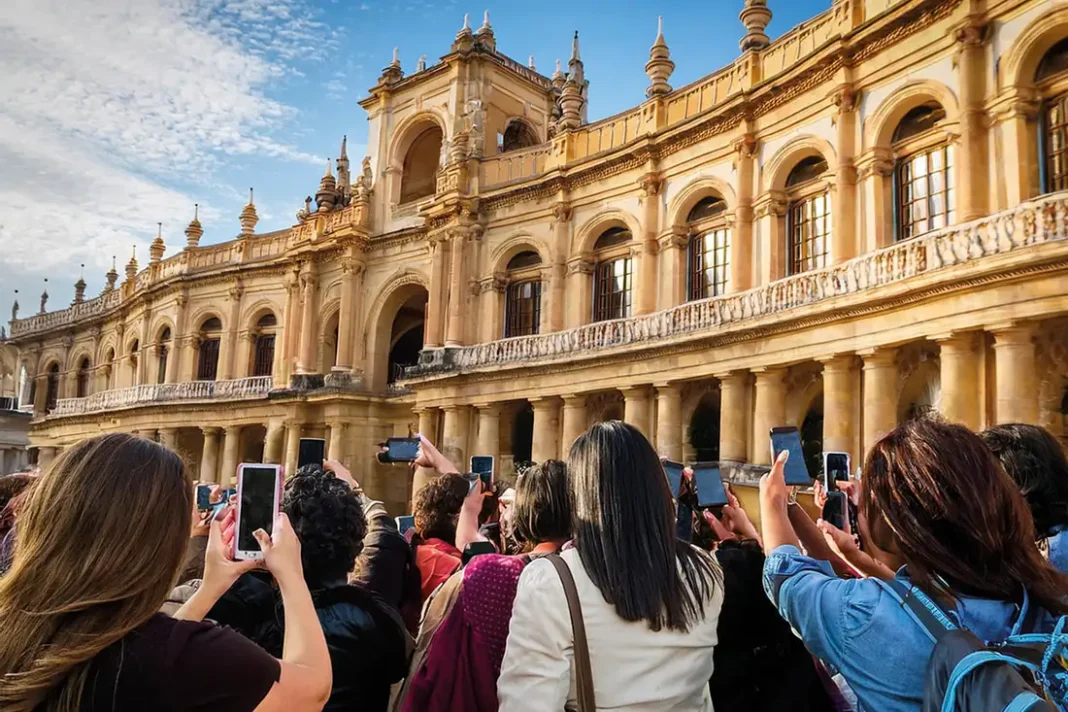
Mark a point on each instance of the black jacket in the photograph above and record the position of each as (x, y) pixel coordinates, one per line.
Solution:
(386, 566)
(366, 637)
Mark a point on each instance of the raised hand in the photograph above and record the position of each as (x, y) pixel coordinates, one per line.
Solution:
(281, 551)
(220, 568)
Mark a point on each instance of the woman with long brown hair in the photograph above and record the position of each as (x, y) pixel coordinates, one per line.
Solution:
(944, 515)
(97, 549)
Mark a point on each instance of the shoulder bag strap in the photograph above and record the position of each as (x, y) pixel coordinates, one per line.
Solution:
(583, 672)
(926, 612)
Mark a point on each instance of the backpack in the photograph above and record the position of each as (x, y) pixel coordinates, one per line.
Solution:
(1023, 673)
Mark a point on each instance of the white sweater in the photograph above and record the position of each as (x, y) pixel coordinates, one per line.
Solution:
(633, 667)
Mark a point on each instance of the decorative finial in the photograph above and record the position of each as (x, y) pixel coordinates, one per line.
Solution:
(112, 276)
(131, 266)
(396, 56)
(755, 16)
(392, 73)
(530, 63)
(467, 23)
(249, 218)
(193, 232)
(326, 196)
(421, 64)
(44, 297)
(79, 286)
(485, 21)
(344, 154)
(575, 49)
(15, 307)
(156, 250)
(659, 67)
(558, 77)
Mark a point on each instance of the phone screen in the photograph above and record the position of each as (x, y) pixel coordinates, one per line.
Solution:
(258, 492)
(833, 510)
(483, 465)
(796, 473)
(709, 483)
(312, 452)
(405, 523)
(684, 522)
(203, 497)
(837, 469)
(673, 470)
(402, 449)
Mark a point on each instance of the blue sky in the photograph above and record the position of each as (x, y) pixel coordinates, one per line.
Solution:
(118, 114)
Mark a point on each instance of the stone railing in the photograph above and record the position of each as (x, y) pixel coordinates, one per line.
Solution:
(806, 38)
(526, 72)
(610, 133)
(63, 317)
(1042, 220)
(238, 388)
(697, 98)
(515, 165)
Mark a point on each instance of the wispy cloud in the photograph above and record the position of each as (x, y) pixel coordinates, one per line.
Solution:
(110, 107)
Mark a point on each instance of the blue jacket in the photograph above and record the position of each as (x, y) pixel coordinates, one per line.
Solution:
(1058, 550)
(856, 626)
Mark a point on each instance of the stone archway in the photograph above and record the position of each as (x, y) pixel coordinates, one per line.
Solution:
(391, 343)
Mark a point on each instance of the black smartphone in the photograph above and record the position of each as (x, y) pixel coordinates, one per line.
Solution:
(482, 465)
(203, 497)
(796, 472)
(709, 483)
(259, 490)
(835, 469)
(400, 450)
(477, 548)
(405, 523)
(673, 470)
(312, 451)
(835, 510)
(684, 522)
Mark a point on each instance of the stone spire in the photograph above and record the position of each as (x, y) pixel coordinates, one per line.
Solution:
(44, 297)
(659, 67)
(326, 197)
(131, 266)
(755, 16)
(156, 250)
(574, 65)
(79, 287)
(558, 77)
(485, 35)
(570, 105)
(193, 232)
(392, 73)
(15, 307)
(421, 65)
(112, 276)
(344, 179)
(248, 217)
(465, 39)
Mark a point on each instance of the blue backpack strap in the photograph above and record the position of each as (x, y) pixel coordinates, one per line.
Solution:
(927, 614)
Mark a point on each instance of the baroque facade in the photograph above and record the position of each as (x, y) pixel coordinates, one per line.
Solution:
(861, 220)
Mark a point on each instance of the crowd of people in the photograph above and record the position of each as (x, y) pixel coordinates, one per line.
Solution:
(117, 592)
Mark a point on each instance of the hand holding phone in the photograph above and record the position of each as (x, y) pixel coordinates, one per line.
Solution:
(259, 490)
(204, 497)
(795, 472)
(835, 469)
(835, 511)
(483, 466)
(399, 450)
(709, 483)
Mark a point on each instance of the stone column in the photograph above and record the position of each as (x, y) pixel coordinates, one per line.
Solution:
(973, 170)
(337, 449)
(546, 444)
(428, 429)
(1017, 387)
(741, 251)
(274, 443)
(435, 316)
(875, 170)
(579, 292)
(645, 285)
(636, 407)
(457, 290)
(40, 395)
(769, 411)
(231, 454)
(209, 456)
(287, 340)
(491, 291)
(668, 421)
(168, 438)
(733, 410)
(351, 271)
(292, 454)
(843, 238)
(174, 360)
(561, 249)
(229, 344)
(839, 377)
(454, 436)
(45, 457)
(672, 248)
(309, 281)
(960, 380)
(489, 432)
(880, 396)
(574, 422)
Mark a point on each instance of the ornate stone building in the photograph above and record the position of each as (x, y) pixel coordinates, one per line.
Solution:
(863, 219)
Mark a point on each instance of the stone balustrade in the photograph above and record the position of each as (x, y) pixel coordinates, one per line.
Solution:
(1042, 220)
(235, 389)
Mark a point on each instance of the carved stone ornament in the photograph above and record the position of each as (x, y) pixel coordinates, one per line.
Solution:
(650, 184)
(844, 98)
(497, 283)
(580, 267)
(235, 292)
(562, 212)
(351, 266)
(678, 237)
(971, 33)
(746, 145)
(772, 205)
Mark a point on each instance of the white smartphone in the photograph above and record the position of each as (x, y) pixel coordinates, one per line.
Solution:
(259, 496)
(835, 469)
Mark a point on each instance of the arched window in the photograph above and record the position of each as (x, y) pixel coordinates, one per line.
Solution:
(522, 311)
(1052, 81)
(613, 279)
(419, 178)
(163, 352)
(83, 378)
(52, 392)
(923, 178)
(808, 230)
(517, 135)
(263, 356)
(210, 338)
(709, 249)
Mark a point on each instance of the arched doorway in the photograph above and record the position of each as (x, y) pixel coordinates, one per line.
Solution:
(812, 438)
(396, 335)
(704, 430)
(523, 437)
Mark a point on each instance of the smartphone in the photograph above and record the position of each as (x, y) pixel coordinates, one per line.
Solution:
(835, 469)
(477, 548)
(673, 470)
(796, 472)
(312, 452)
(709, 483)
(684, 522)
(483, 466)
(405, 523)
(204, 497)
(836, 509)
(259, 494)
(224, 502)
(400, 450)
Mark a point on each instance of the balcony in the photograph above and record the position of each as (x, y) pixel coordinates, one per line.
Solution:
(922, 262)
(236, 389)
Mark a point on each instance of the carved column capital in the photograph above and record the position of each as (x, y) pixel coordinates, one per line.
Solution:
(844, 97)
(677, 237)
(745, 145)
(772, 203)
(562, 212)
(235, 291)
(972, 32)
(578, 265)
(496, 283)
(650, 184)
(350, 265)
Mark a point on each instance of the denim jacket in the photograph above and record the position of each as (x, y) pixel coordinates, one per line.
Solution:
(1058, 549)
(856, 626)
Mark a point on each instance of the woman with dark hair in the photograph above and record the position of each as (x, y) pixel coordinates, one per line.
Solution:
(650, 602)
(366, 636)
(941, 512)
(1036, 462)
(97, 549)
(460, 668)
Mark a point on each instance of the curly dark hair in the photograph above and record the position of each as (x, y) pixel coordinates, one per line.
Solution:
(329, 521)
(1037, 463)
(437, 506)
(13, 485)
